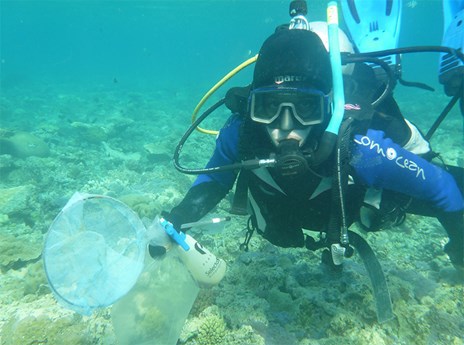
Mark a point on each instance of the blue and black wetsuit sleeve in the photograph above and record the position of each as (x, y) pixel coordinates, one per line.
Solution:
(209, 189)
(380, 163)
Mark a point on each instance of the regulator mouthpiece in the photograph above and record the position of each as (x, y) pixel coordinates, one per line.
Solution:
(290, 161)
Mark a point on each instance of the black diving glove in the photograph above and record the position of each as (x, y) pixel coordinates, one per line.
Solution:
(198, 201)
(453, 222)
(455, 252)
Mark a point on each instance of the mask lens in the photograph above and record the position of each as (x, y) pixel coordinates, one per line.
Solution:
(309, 108)
(265, 106)
(308, 105)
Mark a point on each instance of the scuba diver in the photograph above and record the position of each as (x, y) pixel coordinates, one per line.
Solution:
(294, 173)
(375, 26)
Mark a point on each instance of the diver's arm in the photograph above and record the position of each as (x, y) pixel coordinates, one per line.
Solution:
(379, 162)
(198, 201)
(209, 189)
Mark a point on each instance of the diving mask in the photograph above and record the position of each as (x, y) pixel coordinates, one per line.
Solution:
(309, 106)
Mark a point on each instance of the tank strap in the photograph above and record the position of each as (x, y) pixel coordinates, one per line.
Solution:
(240, 201)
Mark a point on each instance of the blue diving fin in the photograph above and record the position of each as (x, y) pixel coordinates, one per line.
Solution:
(374, 25)
(451, 70)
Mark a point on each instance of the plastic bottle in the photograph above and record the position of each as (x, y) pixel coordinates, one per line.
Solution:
(203, 265)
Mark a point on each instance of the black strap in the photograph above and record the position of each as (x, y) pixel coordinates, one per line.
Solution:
(444, 113)
(415, 84)
(383, 302)
(337, 224)
(250, 230)
(240, 202)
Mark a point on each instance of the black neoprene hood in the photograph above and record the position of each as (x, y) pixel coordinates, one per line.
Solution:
(293, 58)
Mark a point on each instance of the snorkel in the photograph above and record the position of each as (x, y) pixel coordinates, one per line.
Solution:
(329, 137)
(336, 62)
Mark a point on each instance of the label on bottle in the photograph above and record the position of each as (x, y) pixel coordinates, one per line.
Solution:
(204, 266)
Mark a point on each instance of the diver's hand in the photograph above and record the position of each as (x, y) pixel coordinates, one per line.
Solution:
(453, 81)
(198, 201)
(455, 252)
(453, 222)
(171, 218)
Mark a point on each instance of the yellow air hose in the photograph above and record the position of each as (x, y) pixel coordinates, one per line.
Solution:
(214, 89)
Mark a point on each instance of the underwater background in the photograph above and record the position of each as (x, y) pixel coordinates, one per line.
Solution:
(94, 97)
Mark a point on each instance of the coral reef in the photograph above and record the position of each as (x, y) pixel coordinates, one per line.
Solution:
(91, 133)
(22, 144)
(121, 144)
(19, 245)
(16, 199)
(205, 298)
(144, 205)
(212, 331)
(44, 330)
